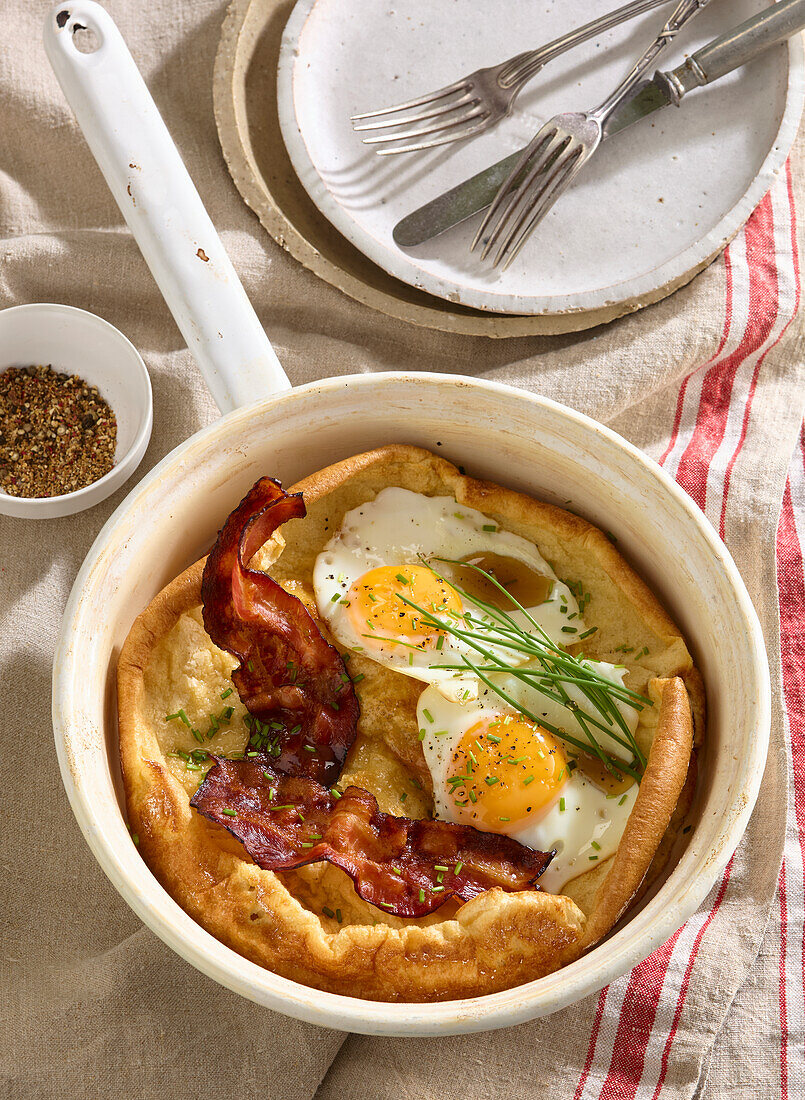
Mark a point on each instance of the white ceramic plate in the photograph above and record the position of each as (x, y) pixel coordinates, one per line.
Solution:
(660, 199)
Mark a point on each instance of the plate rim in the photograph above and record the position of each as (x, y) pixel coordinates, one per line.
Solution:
(634, 293)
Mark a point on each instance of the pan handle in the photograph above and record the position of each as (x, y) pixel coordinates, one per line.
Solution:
(151, 185)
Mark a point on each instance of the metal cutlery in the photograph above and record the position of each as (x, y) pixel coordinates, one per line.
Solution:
(729, 51)
(477, 102)
(558, 152)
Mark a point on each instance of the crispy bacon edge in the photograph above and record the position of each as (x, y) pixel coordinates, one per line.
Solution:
(291, 680)
(406, 867)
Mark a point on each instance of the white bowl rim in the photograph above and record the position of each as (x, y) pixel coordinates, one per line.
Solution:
(508, 1007)
(139, 443)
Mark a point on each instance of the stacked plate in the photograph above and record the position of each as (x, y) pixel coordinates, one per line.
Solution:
(658, 202)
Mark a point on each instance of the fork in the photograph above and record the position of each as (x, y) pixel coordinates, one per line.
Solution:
(484, 97)
(557, 153)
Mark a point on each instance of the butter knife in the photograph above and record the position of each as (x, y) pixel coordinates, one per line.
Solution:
(727, 52)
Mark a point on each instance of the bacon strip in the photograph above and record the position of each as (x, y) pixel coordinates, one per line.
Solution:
(293, 682)
(408, 868)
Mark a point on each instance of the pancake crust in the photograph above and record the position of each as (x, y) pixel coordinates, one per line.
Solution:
(494, 942)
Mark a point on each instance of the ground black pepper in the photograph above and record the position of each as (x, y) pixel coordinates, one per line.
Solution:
(57, 434)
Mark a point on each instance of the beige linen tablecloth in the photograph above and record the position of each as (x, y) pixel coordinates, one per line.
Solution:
(710, 382)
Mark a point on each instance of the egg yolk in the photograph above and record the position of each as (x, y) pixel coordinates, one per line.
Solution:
(377, 607)
(506, 772)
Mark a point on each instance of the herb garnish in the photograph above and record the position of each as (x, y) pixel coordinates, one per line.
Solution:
(555, 668)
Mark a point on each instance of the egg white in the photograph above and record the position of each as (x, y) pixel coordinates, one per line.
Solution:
(583, 824)
(399, 528)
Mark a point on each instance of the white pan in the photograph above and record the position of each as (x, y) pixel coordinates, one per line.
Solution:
(498, 432)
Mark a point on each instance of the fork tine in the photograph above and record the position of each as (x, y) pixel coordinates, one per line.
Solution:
(504, 191)
(435, 112)
(533, 202)
(446, 139)
(544, 163)
(546, 153)
(533, 211)
(430, 97)
(475, 112)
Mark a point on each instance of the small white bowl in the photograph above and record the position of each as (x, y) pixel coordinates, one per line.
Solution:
(78, 342)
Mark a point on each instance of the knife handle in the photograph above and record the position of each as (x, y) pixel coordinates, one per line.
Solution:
(738, 46)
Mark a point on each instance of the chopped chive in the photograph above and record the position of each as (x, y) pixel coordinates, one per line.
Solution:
(250, 666)
(495, 740)
(305, 843)
(489, 527)
(491, 780)
(440, 733)
(587, 633)
(338, 915)
(327, 911)
(428, 715)
(440, 642)
(596, 845)
(402, 579)
(252, 753)
(334, 791)
(336, 596)
(622, 800)
(421, 895)
(528, 779)
(230, 813)
(421, 735)
(505, 819)
(561, 805)
(287, 806)
(569, 630)
(592, 857)
(357, 679)
(309, 748)
(437, 889)
(315, 836)
(372, 597)
(227, 693)
(457, 868)
(403, 796)
(473, 797)
(396, 870)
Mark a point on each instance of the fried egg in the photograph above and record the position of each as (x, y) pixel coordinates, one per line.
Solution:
(502, 772)
(381, 570)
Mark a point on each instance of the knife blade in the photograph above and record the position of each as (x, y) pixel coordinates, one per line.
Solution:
(719, 57)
